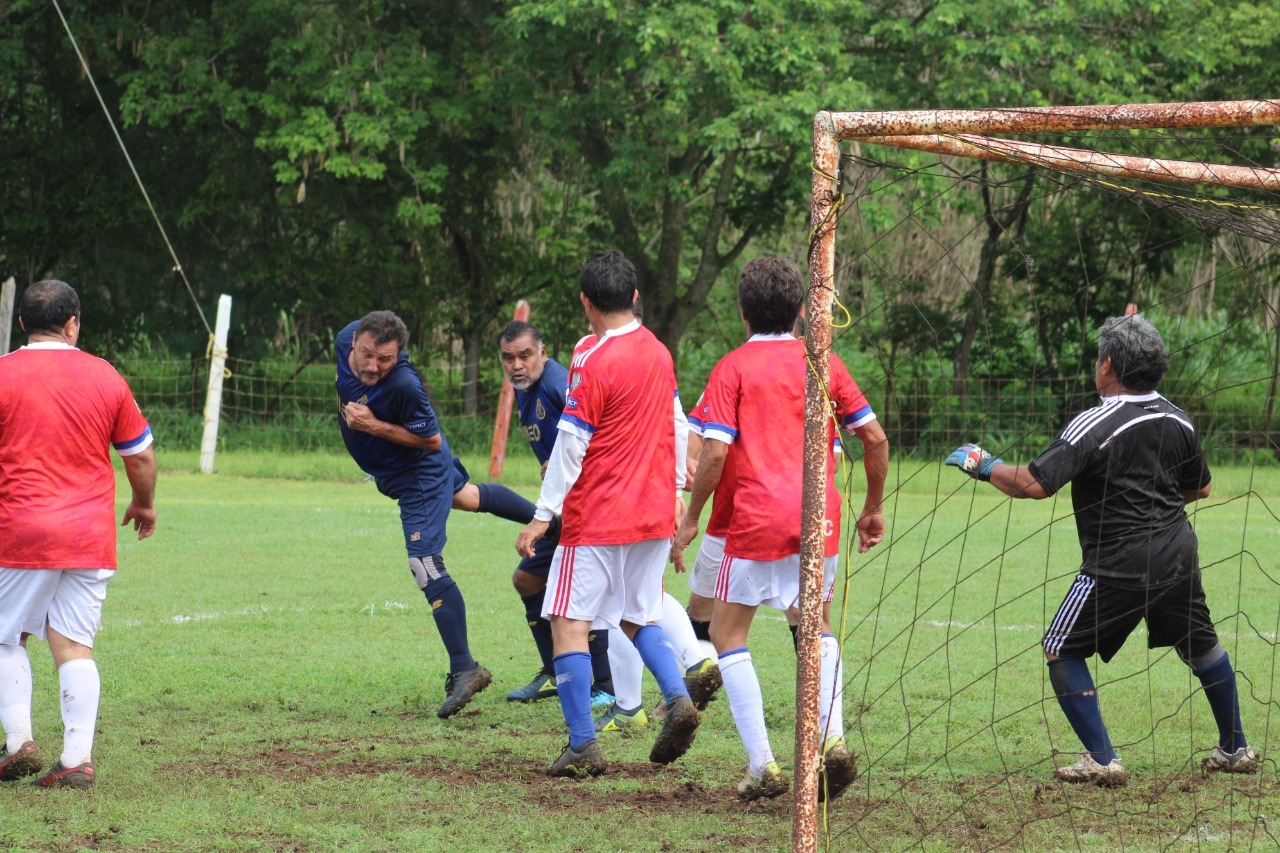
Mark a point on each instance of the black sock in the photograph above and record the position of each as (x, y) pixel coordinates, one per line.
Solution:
(540, 629)
(504, 503)
(598, 645)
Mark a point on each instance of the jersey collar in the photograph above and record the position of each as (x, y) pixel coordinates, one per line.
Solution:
(621, 330)
(778, 337)
(49, 345)
(1133, 398)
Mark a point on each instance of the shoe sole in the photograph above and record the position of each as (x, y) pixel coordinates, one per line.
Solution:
(1113, 780)
(702, 687)
(772, 790)
(529, 700)
(840, 773)
(678, 731)
(446, 710)
(24, 764)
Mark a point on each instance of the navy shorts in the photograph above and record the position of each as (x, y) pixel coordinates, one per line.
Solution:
(460, 475)
(1096, 617)
(543, 550)
(424, 498)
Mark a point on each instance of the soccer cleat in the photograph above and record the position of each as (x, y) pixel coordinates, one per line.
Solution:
(769, 784)
(543, 686)
(678, 730)
(1087, 770)
(836, 771)
(702, 680)
(1241, 761)
(461, 687)
(616, 719)
(80, 776)
(600, 698)
(574, 763)
(24, 761)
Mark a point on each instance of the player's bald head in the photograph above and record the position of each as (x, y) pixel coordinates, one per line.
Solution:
(47, 306)
(770, 293)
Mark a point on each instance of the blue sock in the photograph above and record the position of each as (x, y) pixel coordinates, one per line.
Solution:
(450, 613)
(573, 680)
(598, 645)
(504, 503)
(540, 628)
(1079, 701)
(660, 659)
(1219, 682)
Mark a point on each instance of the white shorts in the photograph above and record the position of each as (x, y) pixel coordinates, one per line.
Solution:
(67, 600)
(607, 585)
(702, 578)
(771, 583)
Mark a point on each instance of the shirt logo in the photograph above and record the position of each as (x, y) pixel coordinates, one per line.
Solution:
(415, 536)
(540, 411)
(571, 403)
(574, 382)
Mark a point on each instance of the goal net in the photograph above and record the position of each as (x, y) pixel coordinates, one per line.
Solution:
(961, 263)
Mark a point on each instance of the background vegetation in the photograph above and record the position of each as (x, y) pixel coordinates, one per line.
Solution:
(446, 158)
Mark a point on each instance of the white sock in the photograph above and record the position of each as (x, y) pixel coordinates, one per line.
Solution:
(15, 696)
(627, 669)
(679, 630)
(80, 689)
(742, 686)
(830, 691)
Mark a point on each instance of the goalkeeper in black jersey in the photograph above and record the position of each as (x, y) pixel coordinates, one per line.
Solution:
(1133, 461)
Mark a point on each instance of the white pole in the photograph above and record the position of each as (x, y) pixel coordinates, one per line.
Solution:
(7, 291)
(217, 371)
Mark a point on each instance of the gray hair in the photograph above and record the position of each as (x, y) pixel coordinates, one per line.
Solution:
(1136, 352)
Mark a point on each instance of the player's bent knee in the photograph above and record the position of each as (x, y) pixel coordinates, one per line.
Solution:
(527, 583)
(430, 575)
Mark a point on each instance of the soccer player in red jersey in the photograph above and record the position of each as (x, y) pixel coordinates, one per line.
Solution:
(61, 411)
(755, 402)
(611, 478)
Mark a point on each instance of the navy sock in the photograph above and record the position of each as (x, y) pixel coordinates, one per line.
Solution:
(450, 613)
(504, 503)
(573, 680)
(701, 630)
(1219, 682)
(601, 675)
(540, 628)
(795, 637)
(660, 659)
(1079, 701)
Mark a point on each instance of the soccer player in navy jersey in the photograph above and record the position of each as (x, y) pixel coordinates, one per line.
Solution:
(391, 432)
(610, 478)
(540, 384)
(1134, 462)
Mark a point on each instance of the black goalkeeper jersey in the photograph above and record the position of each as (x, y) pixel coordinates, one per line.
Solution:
(1128, 460)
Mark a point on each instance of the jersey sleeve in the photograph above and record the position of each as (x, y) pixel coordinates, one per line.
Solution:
(695, 416)
(851, 406)
(408, 404)
(1060, 464)
(719, 410)
(584, 402)
(131, 434)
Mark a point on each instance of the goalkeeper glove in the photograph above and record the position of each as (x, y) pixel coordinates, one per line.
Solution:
(974, 461)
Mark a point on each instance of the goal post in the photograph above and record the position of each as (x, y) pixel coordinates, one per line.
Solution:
(967, 134)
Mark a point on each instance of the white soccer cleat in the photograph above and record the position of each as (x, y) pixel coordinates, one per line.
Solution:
(1086, 769)
(1241, 761)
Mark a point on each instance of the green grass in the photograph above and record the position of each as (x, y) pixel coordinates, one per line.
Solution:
(270, 676)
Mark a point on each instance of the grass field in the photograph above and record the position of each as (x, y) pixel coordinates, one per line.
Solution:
(270, 676)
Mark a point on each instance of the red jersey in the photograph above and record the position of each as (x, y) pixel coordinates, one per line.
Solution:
(722, 498)
(61, 411)
(755, 401)
(621, 392)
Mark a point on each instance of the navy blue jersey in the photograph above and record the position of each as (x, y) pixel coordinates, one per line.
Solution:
(541, 406)
(399, 398)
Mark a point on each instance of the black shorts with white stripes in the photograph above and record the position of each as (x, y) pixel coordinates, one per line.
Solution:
(1097, 616)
